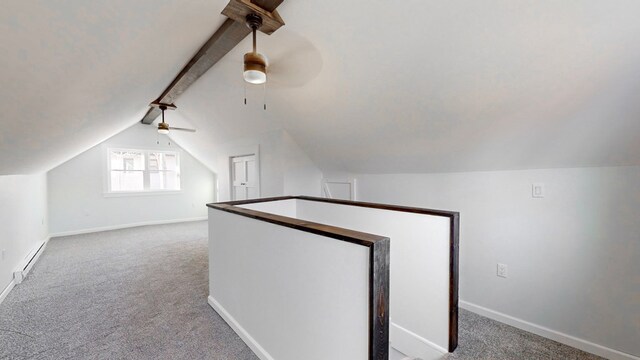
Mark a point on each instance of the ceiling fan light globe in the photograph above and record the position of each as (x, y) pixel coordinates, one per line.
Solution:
(255, 77)
(163, 127)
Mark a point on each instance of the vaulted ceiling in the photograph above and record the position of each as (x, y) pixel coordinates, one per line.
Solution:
(362, 86)
(76, 72)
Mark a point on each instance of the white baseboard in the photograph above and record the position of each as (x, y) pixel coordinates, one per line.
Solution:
(125, 226)
(413, 345)
(6, 291)
(244, 335)
(549, 333)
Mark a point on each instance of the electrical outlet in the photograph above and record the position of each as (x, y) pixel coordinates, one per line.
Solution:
(502, 270)
(537, 190)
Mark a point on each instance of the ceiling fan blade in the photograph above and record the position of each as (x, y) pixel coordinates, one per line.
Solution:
(181, 129)
(293, 60)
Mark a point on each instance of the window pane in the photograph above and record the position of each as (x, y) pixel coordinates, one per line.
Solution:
(154, 161)
(143, 170)
(164, 180)
(127, 180)
(171, 162)
(155, 181)
(126, 160)
(163, 161)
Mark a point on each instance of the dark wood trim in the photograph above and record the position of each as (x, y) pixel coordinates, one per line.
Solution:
(379, 300)
(454, 264)
(269, 5)
(416, 210)
(238, 10)
(382, 206)
(253, 201)
(372, 241)
(352, 236)
(214, 49)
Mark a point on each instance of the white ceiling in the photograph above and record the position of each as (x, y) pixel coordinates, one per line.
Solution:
(362, 86)
(76, 72)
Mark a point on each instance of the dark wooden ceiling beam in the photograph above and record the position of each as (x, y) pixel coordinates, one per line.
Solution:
(238, 10)
(268, 5)
(222, 41)
(219, 44)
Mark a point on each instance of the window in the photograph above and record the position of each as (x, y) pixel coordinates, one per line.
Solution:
(133, 170)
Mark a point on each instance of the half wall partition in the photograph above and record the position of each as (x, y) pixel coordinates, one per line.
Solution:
(314, 278)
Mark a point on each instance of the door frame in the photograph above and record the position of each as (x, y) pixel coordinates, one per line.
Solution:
(248, 152)
(326, 192)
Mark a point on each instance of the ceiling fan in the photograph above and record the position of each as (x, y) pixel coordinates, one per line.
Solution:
(226, 37)
(163, 127)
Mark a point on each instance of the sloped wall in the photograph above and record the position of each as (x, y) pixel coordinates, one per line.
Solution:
(301, 176)
(285, 169)
(76, 189)
(23, 220)
(572, 256)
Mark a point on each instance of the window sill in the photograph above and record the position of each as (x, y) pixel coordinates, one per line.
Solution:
(141, 193)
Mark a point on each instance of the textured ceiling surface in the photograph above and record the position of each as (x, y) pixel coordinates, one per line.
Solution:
(362, 86)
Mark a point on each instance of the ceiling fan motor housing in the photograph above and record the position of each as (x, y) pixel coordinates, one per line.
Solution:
(255, 61)
(254, 21)
(163, 128)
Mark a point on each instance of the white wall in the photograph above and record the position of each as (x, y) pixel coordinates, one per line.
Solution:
(572, 256)
(289, 294)
(23, 220)
(284, 168)
(287, 208)
(271, 169)
(301, 176)
(419, 270)
(76, 189)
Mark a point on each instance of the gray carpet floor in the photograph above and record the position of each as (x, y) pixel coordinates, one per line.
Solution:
(141, 293)
(483, 338)
(138, 293)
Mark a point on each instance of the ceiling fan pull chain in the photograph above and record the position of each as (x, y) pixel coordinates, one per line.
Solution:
(245, 92)
(264, 95)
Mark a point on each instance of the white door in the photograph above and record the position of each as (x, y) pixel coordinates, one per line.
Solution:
(244, 178)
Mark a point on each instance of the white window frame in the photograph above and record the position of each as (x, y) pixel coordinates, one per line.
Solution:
(146, 177)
